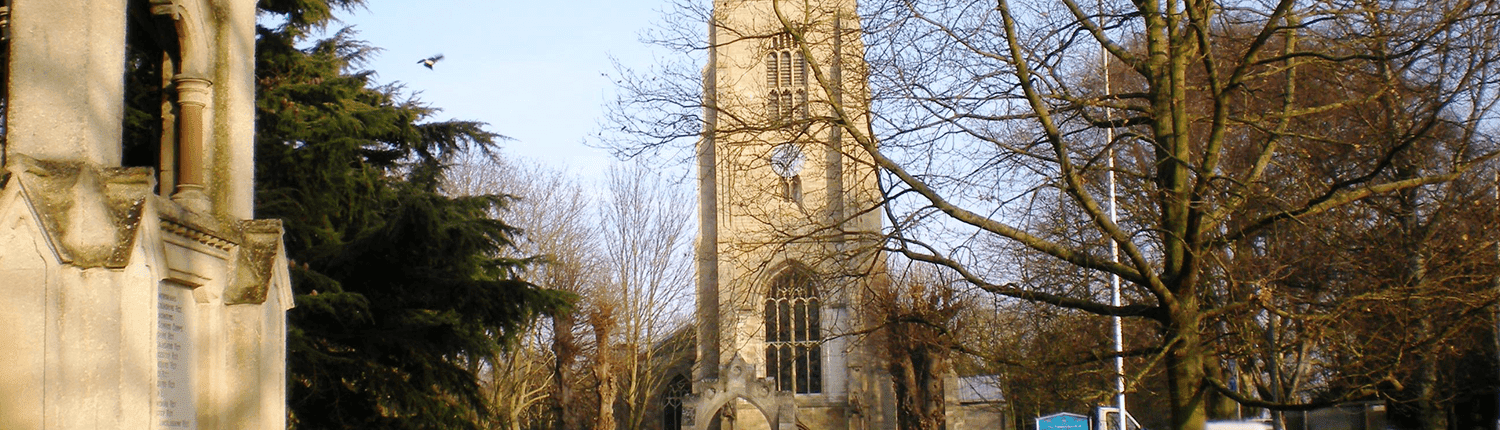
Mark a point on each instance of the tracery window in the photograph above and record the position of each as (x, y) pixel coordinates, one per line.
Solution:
(786, 81)
(672, 412)
(794, 333)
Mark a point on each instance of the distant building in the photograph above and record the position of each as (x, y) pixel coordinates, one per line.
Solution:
(1369, 415)
(138, 290)
(978, 404)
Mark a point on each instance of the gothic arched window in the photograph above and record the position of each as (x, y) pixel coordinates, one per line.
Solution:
(672, 412)
(794, 333)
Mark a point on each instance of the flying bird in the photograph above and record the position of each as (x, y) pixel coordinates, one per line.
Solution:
(429, 61)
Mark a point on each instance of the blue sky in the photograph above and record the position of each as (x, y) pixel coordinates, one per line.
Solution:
(533, 70)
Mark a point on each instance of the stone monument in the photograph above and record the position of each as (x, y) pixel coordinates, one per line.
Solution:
(144, 295)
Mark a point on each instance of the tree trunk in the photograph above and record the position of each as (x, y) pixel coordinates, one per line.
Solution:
(603, 322)
(1185, 376)
(565, 349)
(1220, 406)
(919, 391)
(1273, 369)
(606, 420)
(1432, 412)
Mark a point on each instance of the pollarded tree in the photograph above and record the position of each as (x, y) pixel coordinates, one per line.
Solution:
(917, 331)
(1220, 121)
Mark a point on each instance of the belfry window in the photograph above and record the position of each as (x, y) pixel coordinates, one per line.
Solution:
(786, 81)
(794, 333)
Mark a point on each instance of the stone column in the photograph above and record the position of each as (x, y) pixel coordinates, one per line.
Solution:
(192, 98)
(66, 99)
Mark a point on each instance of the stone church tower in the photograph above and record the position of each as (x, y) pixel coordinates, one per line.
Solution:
(789, 230)
(787, 227)
(138, 291)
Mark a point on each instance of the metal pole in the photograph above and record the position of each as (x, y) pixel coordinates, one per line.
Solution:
(1114, 284)
(1114, 247)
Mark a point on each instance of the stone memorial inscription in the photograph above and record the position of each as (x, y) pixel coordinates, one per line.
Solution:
(174, 387)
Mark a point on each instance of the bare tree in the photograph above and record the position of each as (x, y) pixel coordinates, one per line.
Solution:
(645, 245)
(1230, 120)
(1394, 303)
(516, 382)
(625, 254)
(552, 209)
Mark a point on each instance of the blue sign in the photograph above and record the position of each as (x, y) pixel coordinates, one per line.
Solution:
(1063, 421)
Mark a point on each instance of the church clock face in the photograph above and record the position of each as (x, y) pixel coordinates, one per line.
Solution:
(786, 160)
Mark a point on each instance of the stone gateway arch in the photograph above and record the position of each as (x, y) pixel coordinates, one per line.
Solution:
(740, 383)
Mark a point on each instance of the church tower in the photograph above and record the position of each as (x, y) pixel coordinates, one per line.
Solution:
(788, 226)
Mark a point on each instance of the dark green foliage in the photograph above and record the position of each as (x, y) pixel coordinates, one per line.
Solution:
(146, 45)
(397, 284)
(301, 15)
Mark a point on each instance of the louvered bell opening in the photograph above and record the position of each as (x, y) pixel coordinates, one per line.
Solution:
(802, 111)
(799, 68)
(786, 69)
(772, 70)
(773, 107)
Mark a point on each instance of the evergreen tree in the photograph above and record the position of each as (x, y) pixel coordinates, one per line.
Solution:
(397, 284)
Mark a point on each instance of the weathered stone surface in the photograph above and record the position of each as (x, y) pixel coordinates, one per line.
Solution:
(257, 262)
(91, 215)
(66, 98)
(125, 309)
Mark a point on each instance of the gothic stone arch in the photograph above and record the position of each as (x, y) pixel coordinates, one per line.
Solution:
(738, 382)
